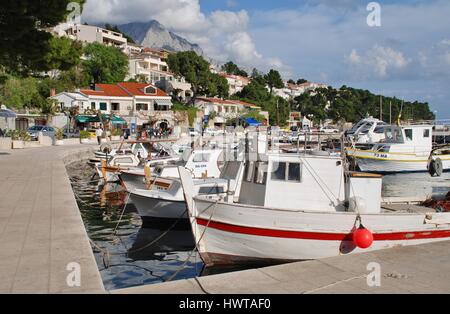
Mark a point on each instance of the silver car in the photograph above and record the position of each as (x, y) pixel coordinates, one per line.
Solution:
(46, 131)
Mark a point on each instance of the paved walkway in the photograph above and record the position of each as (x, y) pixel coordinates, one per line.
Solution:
(414, 269)
(41, 230)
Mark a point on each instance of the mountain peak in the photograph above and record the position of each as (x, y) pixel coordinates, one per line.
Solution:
(153, 34)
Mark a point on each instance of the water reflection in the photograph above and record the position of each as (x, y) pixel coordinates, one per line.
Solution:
(127, 252)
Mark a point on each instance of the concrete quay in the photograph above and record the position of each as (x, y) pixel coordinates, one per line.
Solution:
(41, 230)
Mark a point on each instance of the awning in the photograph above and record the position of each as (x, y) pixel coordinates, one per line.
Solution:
(6, 113)
(117, 120)
(163, 102)
(105, 117)
(86, 119)
(252, 122)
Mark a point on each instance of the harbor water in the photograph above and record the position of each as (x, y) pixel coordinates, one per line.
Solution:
(131, 253)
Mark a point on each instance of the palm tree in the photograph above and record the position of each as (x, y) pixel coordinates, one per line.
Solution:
(49, 108)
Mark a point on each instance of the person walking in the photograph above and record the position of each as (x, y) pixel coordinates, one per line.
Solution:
(99, 134)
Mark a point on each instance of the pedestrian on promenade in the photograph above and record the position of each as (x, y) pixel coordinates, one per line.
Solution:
(99, 134)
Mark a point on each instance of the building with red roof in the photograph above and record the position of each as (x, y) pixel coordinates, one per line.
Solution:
(137, 103)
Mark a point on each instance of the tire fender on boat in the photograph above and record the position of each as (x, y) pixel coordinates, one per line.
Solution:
(435, 167)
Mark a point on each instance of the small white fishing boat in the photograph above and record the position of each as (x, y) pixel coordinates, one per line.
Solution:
(159, 194)
(366, 132)
(405, 149)
(300, 207)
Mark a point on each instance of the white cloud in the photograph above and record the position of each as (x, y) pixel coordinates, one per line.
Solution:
(218, 33)
(379, 61)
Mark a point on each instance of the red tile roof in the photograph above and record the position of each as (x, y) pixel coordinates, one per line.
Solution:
(227, 102)
(137, 89)
(216, 100)
(123, 90)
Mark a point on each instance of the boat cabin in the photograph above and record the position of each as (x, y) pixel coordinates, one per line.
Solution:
(411, 138)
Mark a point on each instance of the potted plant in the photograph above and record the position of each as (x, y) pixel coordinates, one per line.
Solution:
(59, 137)
(116, 134)
(18, 138)
(85, 137)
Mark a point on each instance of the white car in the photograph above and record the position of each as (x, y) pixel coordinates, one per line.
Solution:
(328, 129)
(214, 132)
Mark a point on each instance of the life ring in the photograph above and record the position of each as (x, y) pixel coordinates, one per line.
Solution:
(435, 167)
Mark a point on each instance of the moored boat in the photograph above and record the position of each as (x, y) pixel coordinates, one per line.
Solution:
(301, 207)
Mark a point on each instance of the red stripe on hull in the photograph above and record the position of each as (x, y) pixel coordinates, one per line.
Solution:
(322, 235)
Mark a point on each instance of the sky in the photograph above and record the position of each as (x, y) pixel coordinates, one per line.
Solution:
(406, 54)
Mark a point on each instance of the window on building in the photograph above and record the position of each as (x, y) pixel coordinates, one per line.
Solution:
(93, 105)
(143, 107)
(409, 134)
(115, 106)
(426, 133)
(103, 106)
(150, 90)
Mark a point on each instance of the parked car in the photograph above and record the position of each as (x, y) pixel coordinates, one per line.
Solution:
(46, 131)
(328, 129)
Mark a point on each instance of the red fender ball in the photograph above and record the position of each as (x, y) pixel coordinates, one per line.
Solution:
(363, 238)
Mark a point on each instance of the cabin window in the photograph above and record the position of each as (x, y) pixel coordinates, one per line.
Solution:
(409, 134)
(279, 171)
(294, 173)
(211, 190)
(284, 171)
(123, 161)
(202, 157)
(426, 133)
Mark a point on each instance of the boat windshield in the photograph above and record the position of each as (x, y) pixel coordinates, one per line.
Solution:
(394, 135)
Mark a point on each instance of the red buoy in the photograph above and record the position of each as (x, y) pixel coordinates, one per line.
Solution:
(362, 238)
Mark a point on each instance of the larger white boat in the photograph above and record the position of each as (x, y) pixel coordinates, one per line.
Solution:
(406, 149)
(300, 207)
(159, 194)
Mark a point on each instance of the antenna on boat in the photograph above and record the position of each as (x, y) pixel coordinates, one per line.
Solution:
(400, 115)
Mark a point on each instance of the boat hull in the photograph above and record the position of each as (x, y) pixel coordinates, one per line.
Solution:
(370, 161)
(238, 234)
(149, 207)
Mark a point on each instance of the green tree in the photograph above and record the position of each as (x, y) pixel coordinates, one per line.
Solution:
(24, 40)
(105, 64)
(232, 68)
(196, 71)
(301, 81)
(63, 55)
(19, 93)
(218, 86)
(273, 80)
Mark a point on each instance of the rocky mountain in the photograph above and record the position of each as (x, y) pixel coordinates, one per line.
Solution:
(154, 35)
